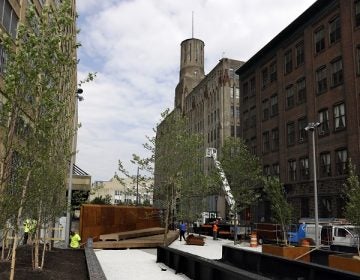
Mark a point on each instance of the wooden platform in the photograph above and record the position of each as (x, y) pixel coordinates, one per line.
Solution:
(131, 234)
(139, 242)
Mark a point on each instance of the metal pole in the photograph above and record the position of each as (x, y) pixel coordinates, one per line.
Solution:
(137, 186)
(68, 210)
(315, 193)
(72, 158)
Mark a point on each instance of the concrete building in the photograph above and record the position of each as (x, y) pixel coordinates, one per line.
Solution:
(308, 73)
(124, 192)
(209, 102)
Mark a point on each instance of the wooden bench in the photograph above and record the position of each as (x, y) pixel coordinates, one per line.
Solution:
(117, 236)
(195, 240)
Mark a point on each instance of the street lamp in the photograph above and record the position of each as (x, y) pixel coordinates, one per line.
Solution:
(311, 127)
(137, 187)
(78, 97)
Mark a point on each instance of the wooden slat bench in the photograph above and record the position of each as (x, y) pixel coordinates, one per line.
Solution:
(131, 234)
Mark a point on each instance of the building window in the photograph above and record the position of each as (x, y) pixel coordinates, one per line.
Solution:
(290, 97)
(302, 123)
(292, 170)
(335, 31)
(341, 162)
(245, 91)
(300, 55)
(357, 13)
(237, 93)
(3, 59)
(336, 73)
(265, 77)
(319, 40)
(301, 90)
(325, 208)
(252, 86)
(339, 116)
(288, 62)
(266, 170)
(266, 142)
(265, 109)
(290, 133)
(246, 120)
(273, 72)
(325, 164)
(8, 18)
(253, 117)
(276, 169)
(274, 109)
(304, 204)
(275, 139)
(304, 169)
(358, 59)
(324, 122)
(321, 80)
(253, 145)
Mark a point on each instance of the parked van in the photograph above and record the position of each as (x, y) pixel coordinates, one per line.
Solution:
(340, 237)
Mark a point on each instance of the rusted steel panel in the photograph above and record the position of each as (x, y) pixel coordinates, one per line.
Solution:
(104, 219)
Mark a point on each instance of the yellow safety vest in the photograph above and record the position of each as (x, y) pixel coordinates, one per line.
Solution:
(75, 241)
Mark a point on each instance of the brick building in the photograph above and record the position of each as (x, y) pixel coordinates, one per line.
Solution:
(210, 103)
(308, 73)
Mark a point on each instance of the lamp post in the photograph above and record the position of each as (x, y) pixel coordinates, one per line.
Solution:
(311, 127)
(137, 187)
(78, 97)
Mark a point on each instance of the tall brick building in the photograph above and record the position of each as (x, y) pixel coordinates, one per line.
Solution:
(209, 102)
(308, 73)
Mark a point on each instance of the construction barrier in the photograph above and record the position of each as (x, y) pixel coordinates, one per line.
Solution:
(253, 240)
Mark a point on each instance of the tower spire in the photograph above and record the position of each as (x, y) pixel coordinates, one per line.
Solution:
(192, 25)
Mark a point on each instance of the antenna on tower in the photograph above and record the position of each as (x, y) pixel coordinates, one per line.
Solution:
(192, 25)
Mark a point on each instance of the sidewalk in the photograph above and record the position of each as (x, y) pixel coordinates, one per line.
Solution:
(140, 264)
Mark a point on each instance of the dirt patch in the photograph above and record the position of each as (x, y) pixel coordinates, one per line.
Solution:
(59, 264)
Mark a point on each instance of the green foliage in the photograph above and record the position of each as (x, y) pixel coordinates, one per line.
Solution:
(243, 172)
(281, 210)
(178, 158)
(102, 200)
(39, 108)
(352, 192)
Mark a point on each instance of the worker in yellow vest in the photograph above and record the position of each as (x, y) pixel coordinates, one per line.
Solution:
(75, 240)
(29, 229)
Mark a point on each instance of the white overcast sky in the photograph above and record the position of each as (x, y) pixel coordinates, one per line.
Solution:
(134, 46)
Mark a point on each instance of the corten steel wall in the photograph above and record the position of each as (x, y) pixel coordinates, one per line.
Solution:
(103, 219)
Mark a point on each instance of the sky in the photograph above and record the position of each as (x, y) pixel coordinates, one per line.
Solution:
(134, 47)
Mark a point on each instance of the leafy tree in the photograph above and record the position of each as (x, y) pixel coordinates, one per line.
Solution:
(176, 154)
(243, 172)
(352, 208)
(178, 157)
(38, 88)
(102, 200)
(281, 210)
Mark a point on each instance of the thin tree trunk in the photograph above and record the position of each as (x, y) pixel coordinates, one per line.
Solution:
(13, 257)
(43, 253)
(37, 238)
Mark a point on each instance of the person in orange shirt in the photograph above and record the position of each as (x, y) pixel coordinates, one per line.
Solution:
(215, 230)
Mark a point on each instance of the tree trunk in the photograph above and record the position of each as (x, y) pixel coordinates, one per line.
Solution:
(13, 257)
(37, 239)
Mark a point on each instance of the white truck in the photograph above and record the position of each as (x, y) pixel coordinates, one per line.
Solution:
(336, 233)
(340, 237)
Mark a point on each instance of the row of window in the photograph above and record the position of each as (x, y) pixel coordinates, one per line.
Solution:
(338, 123)
(299, 169)
(336, 76)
